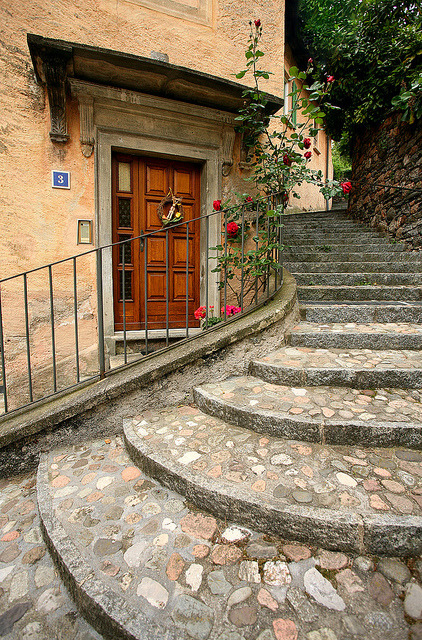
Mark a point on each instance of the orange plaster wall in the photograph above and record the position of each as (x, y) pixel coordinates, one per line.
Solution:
(310, 196)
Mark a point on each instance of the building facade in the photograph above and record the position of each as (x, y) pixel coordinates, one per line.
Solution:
(107, 108)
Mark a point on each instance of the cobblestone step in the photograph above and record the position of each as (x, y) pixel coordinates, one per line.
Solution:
(360, 279)
(316, 492)
(361, 241)
(357, 336)
(367, 268)
(357, 368)
(362, 313)
(359, 293)
(144, 564)
(291, 248)
(324, 414)
(347, 254)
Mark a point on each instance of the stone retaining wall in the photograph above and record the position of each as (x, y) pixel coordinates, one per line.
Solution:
(390, 154)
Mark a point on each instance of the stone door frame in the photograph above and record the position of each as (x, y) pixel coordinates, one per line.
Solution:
(121, 120)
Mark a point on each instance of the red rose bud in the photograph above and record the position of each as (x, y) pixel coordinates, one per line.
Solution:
(257, 23)
(249, 199)
(347, 187)
(232, 229)
(287, 160)
(330, 79)
(217, 205)
(307, 143)
(310, 61)
(308, 154)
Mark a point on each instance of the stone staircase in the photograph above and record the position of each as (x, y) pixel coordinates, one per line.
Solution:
(184, 528)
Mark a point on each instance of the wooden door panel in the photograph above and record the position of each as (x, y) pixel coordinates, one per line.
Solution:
(146, 182)
(156, 286)
(183, 183)
(179, 286)
(152, 220)
(179, 252)
(156, 180)
(156, 252)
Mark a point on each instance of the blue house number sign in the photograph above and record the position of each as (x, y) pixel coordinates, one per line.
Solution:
(60, 179)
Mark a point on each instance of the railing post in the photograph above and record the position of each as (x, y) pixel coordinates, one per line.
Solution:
(3, 365)
(207, 260)
(124, 302)
(225, 265)
(100, 306)
(146, 290)
(243, 258)
(53, 334)
(75, 315)
(167, 287)
(187, 279)
(28, 349)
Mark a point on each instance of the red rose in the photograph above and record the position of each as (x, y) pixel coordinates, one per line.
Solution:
(310, 61)
(307, 143)
(232, 229)
(346, 186)
(287, 160)
(257, 23)
(217, 205)
(308, 154)
(330, 79)
(249, 199)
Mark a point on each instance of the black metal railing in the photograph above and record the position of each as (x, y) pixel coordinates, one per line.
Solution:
(55, 319)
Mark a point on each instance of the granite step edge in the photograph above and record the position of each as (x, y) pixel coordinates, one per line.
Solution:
(347, 531)
(323, 431)
(354, 340)
(105, 609)
(356, 378)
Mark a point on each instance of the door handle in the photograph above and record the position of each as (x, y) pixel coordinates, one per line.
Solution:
(142, 241)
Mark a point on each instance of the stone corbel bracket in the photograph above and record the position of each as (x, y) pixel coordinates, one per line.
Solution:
(54, 69)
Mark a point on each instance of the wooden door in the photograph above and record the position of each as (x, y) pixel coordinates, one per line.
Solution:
(155, 272)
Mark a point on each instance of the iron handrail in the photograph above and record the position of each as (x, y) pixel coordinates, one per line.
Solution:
(269, 276)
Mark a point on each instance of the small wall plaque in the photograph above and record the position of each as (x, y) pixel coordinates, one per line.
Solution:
(84, 231)
(60, 179)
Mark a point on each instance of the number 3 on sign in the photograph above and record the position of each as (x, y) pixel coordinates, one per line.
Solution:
(60, 179)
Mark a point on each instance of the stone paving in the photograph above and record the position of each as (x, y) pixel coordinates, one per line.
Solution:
(307, 357)
(389, 328)
(337, 478)
(212, 579)
(34, 604)
(328, 403)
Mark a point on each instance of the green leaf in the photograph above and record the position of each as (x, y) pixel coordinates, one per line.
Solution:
(240, 74)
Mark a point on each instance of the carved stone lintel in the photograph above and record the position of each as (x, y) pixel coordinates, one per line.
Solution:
(87, 130)
(229, 136)
(54, 67)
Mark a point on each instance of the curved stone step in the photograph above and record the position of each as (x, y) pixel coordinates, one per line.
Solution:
(360, 293)
(335, 497)
(370, 269)
(347, 254)
(343, 335)
(333, 415)
(361, 312)
(115, 532)
(357, 279)
(378, 245)
(359, 368)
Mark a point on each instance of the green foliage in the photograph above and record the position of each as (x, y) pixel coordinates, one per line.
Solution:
(342, 164)
(279, 148)
(374, 50)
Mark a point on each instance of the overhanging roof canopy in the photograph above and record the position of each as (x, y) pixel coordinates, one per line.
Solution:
(55, 59)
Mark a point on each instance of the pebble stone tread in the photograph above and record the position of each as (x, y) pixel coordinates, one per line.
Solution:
(34, 604)
(308, 366)
(333, 495)
(197, 577)
(384, 328)
(336, 415)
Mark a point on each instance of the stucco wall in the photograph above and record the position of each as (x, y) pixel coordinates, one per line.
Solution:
(38, 224)
(391, 155)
